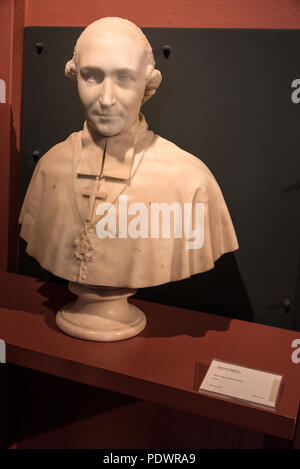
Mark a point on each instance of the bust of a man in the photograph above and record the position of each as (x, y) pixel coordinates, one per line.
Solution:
(115, 205)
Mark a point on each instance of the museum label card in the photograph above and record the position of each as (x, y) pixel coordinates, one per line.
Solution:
(247, 384)
(2, 351)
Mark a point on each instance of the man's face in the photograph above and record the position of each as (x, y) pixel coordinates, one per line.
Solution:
(111, 81)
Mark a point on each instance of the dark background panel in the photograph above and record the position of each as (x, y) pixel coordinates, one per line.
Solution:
(226, 98)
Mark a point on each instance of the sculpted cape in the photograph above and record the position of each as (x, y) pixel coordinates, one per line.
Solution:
(59, 223)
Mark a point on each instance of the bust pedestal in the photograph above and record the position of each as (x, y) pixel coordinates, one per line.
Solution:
(101, 314)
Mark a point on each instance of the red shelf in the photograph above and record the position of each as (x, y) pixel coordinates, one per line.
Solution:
(158, 365)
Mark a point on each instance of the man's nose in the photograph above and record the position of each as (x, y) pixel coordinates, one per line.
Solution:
(107, 95)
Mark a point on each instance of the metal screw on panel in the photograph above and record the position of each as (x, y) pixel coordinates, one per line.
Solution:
(39, 47)
(36, 156)
(286, 303)
(166, 51)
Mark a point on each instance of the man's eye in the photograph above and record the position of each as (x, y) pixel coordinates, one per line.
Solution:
(125, 77)
(88, 77)
(91, 77)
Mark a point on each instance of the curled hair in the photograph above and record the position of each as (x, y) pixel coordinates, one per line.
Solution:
(153, 76)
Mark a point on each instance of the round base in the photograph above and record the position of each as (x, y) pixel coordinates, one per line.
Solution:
(88, 327)
(101, 314)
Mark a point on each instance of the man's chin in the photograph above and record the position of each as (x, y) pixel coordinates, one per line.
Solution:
(107, 130)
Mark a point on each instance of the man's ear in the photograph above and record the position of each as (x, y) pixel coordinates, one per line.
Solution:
(71, 69)
(153, 83)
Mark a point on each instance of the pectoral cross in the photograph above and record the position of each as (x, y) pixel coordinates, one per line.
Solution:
(93, 195)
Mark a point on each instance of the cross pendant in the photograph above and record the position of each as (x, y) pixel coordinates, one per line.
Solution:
(93, 195)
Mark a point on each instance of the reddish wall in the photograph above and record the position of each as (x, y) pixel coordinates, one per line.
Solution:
(12, 17)
(5, 63)
(15, 14)
(168, 13)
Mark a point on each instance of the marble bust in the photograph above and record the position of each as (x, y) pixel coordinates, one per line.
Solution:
(116, 207)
